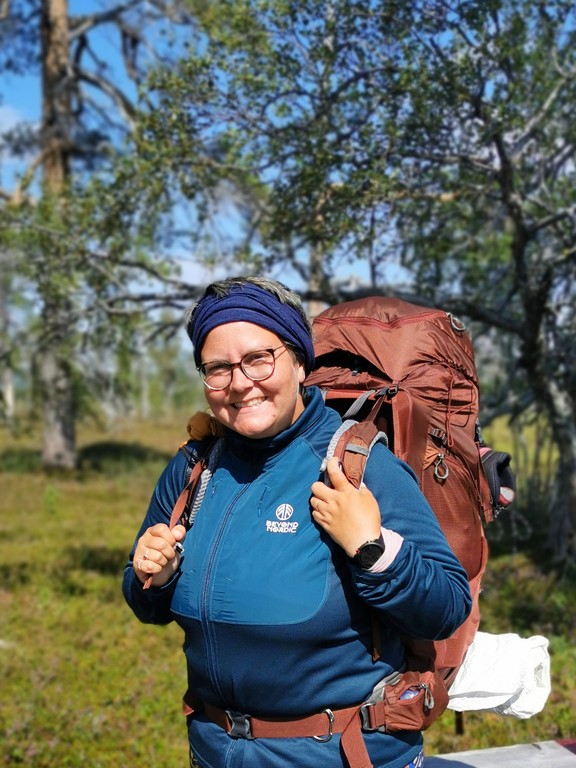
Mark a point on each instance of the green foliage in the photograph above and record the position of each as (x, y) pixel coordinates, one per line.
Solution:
(83, 683)
(292, 113)
(438, 132)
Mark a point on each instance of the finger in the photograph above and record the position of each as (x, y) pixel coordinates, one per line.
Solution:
(150, 538)
(160, 529)
(316, 503)
(145, 569)
(146, 559)
(336, 475)
(159, 558)
(320, 490)
(179, 532)
(166, 542)
(163, 543)
(148, 555)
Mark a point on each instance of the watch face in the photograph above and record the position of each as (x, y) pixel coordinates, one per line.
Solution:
(369, 553)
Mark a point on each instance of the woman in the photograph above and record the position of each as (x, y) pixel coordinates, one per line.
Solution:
(282, 572)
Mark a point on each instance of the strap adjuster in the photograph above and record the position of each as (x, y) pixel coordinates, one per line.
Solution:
(239, 725)
(365, 717)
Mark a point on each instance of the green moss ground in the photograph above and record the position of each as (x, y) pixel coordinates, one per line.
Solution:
(83, 683)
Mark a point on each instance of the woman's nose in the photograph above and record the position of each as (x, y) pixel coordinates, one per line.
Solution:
(239, 379)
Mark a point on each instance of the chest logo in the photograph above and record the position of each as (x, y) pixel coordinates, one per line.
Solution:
(284, 512)
(282, 523)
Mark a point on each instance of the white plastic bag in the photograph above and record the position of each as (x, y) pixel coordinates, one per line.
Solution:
(506, 674)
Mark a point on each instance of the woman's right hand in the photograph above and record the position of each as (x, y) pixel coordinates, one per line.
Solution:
(156, 556)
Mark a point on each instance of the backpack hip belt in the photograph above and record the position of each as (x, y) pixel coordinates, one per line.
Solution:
(320, 726)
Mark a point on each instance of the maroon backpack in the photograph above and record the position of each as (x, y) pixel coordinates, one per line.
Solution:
(409, 372)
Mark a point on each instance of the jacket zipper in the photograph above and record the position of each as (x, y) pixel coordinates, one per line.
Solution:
(206, 593)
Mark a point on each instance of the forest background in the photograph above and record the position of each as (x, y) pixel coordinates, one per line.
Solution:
(419, 149)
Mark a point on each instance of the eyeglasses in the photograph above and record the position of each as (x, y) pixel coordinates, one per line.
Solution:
(257, 366)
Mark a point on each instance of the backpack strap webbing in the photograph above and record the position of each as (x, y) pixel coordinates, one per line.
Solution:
(197, 463)
(182, 506)
(351, 445)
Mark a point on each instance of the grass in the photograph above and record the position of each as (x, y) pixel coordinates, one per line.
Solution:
(85, 684)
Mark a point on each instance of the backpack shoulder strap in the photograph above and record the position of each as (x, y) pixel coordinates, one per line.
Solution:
(197, 463)
(351, 444)
(183, 512)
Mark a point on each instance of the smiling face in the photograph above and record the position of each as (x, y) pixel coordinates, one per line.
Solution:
(253, 408)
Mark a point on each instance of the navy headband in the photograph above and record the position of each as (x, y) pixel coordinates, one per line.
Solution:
(250, 304)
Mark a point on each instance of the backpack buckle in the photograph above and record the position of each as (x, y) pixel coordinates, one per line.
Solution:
(365, 717)
(239, 725)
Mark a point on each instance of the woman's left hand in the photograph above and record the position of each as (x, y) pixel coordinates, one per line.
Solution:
(348, 515)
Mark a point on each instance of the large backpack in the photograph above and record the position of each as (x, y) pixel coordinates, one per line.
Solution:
(409, 371)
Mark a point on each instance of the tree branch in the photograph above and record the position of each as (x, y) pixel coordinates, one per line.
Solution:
(79, 25)
(123, 102)
(537, 119)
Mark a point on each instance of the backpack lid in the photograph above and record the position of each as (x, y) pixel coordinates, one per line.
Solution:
(393, 336)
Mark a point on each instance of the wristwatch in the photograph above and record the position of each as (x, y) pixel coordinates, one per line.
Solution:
(369, 553)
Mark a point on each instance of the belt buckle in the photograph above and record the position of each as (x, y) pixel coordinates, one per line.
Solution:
(330, 715)
(239, 725)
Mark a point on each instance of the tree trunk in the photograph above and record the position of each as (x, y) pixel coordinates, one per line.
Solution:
(7, 403)
(54, 379)
(315, 282)
(562, 538)
(7, 395)
(55, 94)
(54, 363)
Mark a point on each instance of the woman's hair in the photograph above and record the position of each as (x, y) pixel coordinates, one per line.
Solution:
(221, 288)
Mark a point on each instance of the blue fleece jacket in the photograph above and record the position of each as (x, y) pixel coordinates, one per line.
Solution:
(276, 618)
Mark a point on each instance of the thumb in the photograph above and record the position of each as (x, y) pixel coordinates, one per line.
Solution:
(336, 476)
(179, 532)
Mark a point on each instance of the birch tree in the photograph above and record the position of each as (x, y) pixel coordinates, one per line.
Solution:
(76, 238)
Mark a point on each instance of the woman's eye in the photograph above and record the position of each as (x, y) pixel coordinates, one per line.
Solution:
(217, 368)
(256, 357)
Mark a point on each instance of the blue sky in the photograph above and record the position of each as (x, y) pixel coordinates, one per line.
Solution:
(20, 98)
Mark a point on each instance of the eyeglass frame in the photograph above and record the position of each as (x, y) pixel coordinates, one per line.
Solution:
(231, 367)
